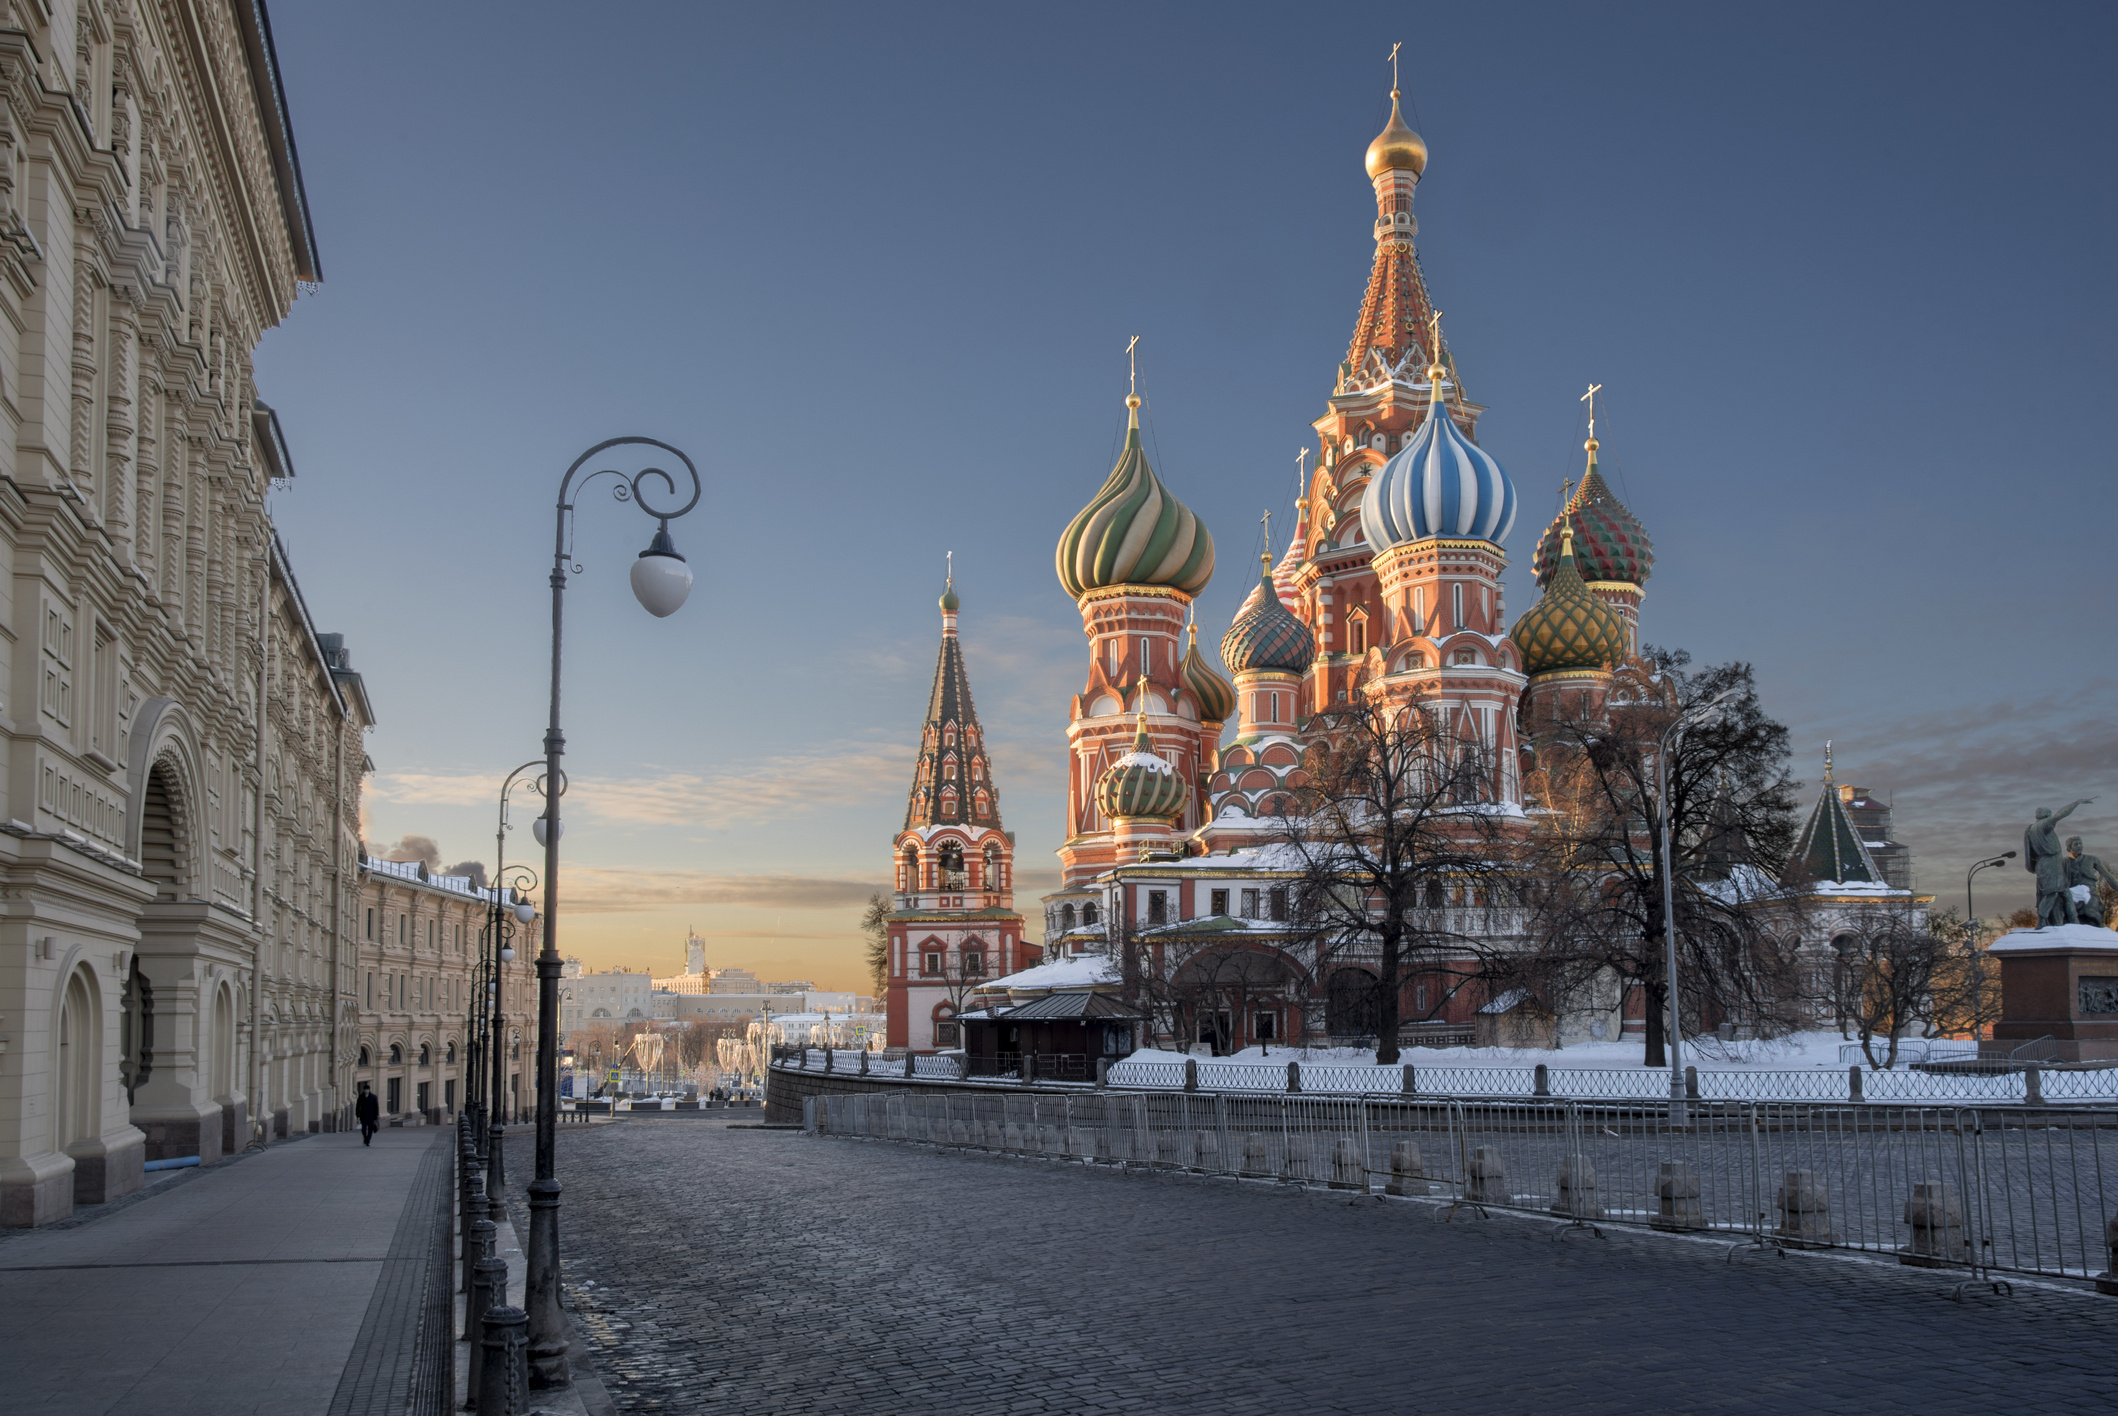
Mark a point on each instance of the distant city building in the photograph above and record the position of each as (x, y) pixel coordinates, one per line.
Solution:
(615, 998)
(415, 972)
(1871, 818)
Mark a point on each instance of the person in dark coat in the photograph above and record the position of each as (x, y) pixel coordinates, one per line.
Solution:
(368, 1111)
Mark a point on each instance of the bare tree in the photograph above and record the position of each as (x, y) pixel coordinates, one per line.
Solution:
(1594, 846)
(1891, 961)
(1398, 841)
(1965, 983)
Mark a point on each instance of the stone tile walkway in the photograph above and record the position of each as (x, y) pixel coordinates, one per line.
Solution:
(722, 1269)
(239, 1290)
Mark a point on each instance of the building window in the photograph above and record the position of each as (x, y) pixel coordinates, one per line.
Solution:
(1147, 656)
(973, 963)
(1276, 902)
(1456, 602)
(424, 1093)
(944, 1032)
(402, 930)
(1088, 914)
(1158, 907)
(1415, 661)
(1419, 609)
(1219, 900)
(1066, 918)
(1265, 1027)
(1467, 656)
(1357, 635)
(1419, 997)
(396, 1057)
(371, 926)
(448, 1095)
(1250, 904)
(426, 1058)
(394, 1093)
(930, 964)
(365, 1060)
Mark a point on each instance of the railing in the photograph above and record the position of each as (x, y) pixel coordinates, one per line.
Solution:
(2031, 1084)
(1911, 1051)
(2021, 1189)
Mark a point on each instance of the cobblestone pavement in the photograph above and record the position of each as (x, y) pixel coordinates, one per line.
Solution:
(719, 1269)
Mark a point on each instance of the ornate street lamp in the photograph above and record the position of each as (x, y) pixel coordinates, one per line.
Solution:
(661, 581)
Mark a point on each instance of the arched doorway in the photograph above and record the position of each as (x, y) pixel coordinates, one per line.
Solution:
(1353, 1004)
(74, 1098)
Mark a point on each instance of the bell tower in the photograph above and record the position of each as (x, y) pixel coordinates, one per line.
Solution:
(955, 924)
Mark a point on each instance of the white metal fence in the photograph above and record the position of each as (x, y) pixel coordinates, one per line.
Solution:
(2020, 1189)
(2031, 1085)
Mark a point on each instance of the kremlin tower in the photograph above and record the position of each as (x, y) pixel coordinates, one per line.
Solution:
(955, 923)
(1132, 560)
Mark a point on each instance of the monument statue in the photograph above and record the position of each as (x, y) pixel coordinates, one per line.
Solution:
(2083, 873)
(2041, 856)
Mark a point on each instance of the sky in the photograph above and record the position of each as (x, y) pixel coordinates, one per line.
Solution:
(1843, 272)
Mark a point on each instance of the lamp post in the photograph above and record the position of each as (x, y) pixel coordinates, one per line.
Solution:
(661, 582)
(498, 931)
(1970, 914)
(1672, 739)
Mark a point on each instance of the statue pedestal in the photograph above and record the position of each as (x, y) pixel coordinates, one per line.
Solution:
(2060, 982)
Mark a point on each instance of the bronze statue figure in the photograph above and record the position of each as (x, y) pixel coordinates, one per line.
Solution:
(2041, 855)
(2083, 873)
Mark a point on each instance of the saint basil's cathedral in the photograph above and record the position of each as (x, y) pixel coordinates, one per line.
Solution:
(1390, 586)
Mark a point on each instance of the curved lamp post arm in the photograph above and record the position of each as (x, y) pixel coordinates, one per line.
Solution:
(660, 581)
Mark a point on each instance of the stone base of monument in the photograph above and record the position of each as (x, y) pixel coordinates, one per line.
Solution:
(2060, 982)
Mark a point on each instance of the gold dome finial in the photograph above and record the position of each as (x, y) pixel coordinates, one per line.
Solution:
(1397, 147)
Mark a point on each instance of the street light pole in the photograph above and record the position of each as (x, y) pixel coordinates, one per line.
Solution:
(1672, 739)
(661, 582)
(1971, 914)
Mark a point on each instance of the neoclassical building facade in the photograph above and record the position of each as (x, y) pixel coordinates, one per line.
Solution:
(415, 984)
(179, 835)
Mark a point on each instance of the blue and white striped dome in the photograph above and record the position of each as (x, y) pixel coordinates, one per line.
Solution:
(1442, 484)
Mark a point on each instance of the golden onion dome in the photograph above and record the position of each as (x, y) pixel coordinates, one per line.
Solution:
(1216, 695)
(1570, 628)
(1134, 532)
(1396, 146)
(1141, 783)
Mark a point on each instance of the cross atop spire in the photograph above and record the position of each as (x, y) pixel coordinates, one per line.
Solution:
(1393, 66)
(1132, 367)
(1590, 399)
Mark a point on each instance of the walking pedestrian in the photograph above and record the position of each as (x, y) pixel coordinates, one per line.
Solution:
(368, 1112)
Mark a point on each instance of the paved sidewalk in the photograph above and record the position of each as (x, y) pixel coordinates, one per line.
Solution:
(246, 1287)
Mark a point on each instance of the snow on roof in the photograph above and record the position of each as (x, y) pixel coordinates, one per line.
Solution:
(1506, 1001)
(2084, 937)
(1080, 971)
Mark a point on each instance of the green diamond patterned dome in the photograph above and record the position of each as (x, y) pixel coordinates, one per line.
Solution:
(1265, 634)
(1216, 695)
(1135, 532)
(1609, 541)
(1569, 628)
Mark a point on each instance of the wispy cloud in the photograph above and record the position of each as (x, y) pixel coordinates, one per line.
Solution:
(764, 789)
(591, 889)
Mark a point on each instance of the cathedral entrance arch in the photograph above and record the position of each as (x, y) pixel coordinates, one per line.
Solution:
(1353, 1004)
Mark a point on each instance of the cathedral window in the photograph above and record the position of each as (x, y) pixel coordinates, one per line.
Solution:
(948, 801)
(1088, 914)
(948, 769)
(1357, 634)
(1456, 602)
(930, 962)
(1158, 907)
(1066, 918)
(1250, 904)
(980, 802)
(973, 963)
(948, 736)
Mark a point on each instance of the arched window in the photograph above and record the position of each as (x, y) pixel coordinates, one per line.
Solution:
(426, 1055)
(80, 1063)
(448, 1054)
(1066, 918)
(978, 801)
(908, 877)
(365, 1059)
(1088, 914)
(993, 873)
(948, 735)
(952, 873)
(948, 801)
(948, 767)
(396, 1055)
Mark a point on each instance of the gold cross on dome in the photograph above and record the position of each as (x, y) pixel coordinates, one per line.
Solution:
(1132, 366)
(1434, 338)
(1266, 522)
(1393, 64)
(1590, 399)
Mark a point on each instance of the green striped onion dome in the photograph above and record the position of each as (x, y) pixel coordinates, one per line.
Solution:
(1135, 532)
(1570, 628)
(1609, 541)
(1216, 695)
(1265, 634)
(1141, 783)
